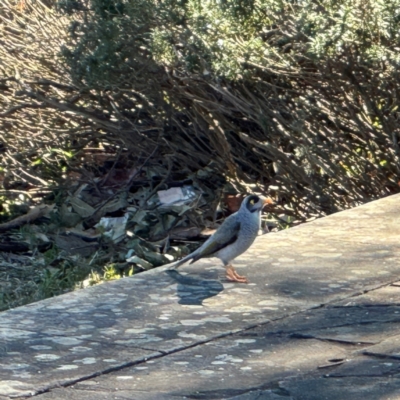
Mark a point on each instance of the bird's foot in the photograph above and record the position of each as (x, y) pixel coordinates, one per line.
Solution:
(233, 276)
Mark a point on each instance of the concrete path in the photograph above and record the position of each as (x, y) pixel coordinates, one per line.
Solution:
(320, 320)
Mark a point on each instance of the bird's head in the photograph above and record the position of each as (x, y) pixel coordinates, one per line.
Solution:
(255, 203)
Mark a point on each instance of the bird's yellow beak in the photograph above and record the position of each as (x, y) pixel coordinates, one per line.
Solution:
(267, 200)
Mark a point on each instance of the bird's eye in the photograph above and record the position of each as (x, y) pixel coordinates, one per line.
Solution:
(252, 202)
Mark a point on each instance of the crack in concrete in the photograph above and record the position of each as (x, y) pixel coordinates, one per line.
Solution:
(273, 387)
(369, 305)
(381, 355)
(383, 374)
(283, 332)
(345, 342)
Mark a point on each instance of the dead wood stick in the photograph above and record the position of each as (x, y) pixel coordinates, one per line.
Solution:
(32, 215)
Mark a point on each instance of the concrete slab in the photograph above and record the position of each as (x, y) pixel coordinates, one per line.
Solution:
(305, 306)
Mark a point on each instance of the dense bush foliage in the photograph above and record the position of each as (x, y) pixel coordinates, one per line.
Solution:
(301, 96)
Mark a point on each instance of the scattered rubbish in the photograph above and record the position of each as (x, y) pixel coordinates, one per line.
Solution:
(114, 228)
(177, 195)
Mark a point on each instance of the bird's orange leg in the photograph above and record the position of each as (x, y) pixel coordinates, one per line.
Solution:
(233, 276)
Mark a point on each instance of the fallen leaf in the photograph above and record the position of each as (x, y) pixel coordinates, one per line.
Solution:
(81, 208)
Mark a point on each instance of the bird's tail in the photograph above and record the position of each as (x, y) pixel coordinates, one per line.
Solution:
(178, 263)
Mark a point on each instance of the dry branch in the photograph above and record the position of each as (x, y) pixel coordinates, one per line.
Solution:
(34, 214)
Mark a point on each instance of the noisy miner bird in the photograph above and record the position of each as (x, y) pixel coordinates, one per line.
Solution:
(236, 234)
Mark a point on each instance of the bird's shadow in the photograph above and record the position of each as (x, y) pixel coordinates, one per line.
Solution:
(192, 290)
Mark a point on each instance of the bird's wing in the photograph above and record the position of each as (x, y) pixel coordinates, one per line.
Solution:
(225, 235)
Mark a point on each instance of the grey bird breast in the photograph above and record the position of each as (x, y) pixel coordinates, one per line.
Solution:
(248, 232)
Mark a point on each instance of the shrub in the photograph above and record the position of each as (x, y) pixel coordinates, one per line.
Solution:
(300, 96)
